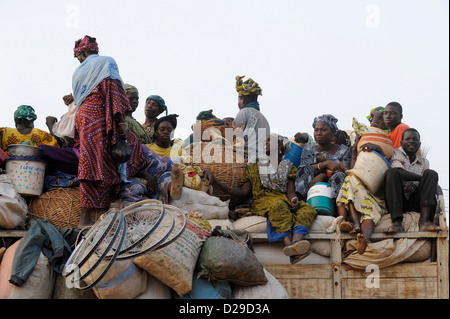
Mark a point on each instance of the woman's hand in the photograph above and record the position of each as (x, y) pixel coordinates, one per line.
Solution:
(333, 166)
(68, 99)
(295, 204)
(209, 178)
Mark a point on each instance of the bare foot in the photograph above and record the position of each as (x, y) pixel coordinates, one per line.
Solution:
(177, 177)
(362, 243)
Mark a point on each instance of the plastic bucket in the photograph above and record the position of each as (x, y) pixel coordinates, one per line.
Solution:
(381, 139)
(27, 175)
(370, 168)
(319, 197)
(294, 154)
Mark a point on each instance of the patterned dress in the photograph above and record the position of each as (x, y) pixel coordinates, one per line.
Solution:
(275, 205)
(368, 205)
(36, 136)
(306, 173)
(96, 131)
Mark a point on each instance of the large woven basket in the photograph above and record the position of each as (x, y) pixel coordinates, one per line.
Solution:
(228, 172)
(61, 206)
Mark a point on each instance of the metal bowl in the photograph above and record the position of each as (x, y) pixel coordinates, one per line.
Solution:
(24, 151)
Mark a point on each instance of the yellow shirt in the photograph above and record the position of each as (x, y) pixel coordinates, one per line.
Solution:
(10, 135)
(173, 151)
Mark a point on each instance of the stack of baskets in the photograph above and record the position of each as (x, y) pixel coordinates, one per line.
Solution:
(61, 206)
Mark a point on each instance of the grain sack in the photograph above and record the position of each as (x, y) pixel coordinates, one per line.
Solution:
(124, 280)
(40, 283)
(64, 290)
(174, 265)
(13, 208)
(252, 224)
(320, 224)
(273, 289)
(226, 259)
(155, 290)
(210, 207)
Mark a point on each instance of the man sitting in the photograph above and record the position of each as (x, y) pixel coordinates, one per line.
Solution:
(410, 185)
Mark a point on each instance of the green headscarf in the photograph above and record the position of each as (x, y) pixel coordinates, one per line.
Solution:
(25, 112)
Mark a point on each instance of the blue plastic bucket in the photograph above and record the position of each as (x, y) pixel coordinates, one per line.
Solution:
(295, 153)
(319, 197)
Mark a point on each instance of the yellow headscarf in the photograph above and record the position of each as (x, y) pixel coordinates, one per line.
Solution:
(248, 87)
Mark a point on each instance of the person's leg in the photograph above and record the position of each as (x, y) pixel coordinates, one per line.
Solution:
(356, 219)
(367, 228)
(427, 200)
(85, 218)
(394, 198)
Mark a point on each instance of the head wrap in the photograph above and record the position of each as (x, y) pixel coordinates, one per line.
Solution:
(205, 115)
(160, 100)
(248, 87)
(172, 119)
(329, 119)
(25, 112)
(377, 109)
(131, 89)
(85, 45)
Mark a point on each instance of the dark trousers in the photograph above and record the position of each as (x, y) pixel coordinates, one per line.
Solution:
(424, 195)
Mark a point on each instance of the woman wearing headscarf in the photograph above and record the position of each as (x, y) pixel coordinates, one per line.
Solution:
(270, 182)
(255, 125)
(154, 106)
(332, 169)
(102, 103)
(132, 124)
(25, 132)
(163, 142)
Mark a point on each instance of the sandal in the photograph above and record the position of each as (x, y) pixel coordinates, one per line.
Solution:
(296, 258)
(346, 226)
(297, 248)
(394, 228)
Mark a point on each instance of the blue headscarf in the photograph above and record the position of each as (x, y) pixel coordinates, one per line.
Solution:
(90, 73)
(329, 119)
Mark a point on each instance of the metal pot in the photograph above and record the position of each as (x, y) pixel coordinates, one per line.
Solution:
(24, 151)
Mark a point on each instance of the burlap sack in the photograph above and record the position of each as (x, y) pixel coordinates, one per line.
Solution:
(174, 265)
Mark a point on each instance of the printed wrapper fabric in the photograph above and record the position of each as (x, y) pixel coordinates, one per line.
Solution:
(96, 131)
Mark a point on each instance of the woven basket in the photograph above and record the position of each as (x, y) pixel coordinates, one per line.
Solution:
(228, 173)
(213, 125)
(61, 206)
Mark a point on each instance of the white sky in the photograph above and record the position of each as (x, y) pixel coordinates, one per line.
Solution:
(310, 58)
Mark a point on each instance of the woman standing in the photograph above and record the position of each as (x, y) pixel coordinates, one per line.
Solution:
(332, 170)
(100, 95)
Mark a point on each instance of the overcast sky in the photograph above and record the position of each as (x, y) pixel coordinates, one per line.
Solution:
(310, 58)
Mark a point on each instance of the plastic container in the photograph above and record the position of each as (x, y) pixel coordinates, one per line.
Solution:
(27, 175)
(295, 153)
(370, 168)
(319, 197)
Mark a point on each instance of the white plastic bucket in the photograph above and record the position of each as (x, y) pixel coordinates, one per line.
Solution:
(370, 168)
(27, 175)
